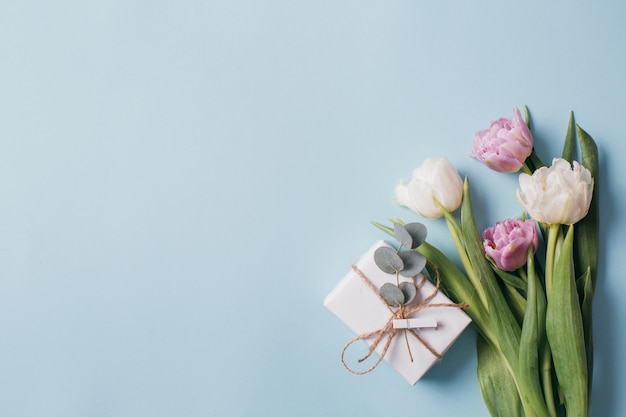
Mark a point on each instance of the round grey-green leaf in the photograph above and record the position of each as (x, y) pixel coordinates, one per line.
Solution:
(393, 295)
(414, 263)
(388, 260)
(418, 233)
(409, 290)
(402, 235)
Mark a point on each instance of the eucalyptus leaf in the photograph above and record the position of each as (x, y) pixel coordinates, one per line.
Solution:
(392, 294)
(402, 235)
(388, 260)
(418, 233)
(414, 263)
(409, 290)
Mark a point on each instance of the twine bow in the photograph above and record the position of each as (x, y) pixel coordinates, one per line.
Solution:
(401, 313)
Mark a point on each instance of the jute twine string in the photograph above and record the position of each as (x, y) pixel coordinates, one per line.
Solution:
(400, 313)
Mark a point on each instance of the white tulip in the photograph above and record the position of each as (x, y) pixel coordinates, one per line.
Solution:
(435, 180)
(560, 194)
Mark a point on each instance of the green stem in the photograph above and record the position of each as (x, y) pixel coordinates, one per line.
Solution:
(553, 234)
(522, 274)
(546, 373)
(452, 222)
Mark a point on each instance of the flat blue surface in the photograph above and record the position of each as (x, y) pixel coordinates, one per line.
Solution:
(182, 183)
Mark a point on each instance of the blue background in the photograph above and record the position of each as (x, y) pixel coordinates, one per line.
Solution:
(182, 183)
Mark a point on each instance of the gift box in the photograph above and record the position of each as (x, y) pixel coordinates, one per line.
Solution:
(355, 300)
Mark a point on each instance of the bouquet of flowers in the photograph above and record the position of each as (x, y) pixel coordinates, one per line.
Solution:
(528, 282)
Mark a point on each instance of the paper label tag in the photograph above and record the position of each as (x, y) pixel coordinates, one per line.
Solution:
(415, 324)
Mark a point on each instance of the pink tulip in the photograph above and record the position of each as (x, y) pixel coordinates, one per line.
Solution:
(505, 145)
(508, 241)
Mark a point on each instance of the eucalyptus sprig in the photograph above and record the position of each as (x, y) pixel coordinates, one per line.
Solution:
(403, 261)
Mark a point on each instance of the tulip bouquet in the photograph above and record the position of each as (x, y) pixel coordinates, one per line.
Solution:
(528, 281)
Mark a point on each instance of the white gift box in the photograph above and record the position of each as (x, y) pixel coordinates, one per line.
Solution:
(363, 311)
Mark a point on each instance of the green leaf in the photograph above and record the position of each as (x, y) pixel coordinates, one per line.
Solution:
(532, 332)
(392, 294)
(418, 232)
(587, 242)
(527, 117)
(587, 230)
(511, 284)
(570, 140)
(409, 290)
(564, 329)
(585, 287)
(535, 160)
(388, 260)
(529, 162)
(504, 323)
(515, 301)
(384, 228)
(497, 385)
(414, 263)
